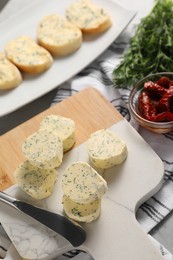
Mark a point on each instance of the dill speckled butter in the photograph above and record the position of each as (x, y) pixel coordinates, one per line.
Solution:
(87, 16)
(82, 184)
(82, 212)
(10, 76)
(43, 149)
(64, 127)
(106, 149)
(36, 182)
(58, 35)
(27, 55)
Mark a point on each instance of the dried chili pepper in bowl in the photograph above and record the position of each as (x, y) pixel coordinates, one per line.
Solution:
(151, 102)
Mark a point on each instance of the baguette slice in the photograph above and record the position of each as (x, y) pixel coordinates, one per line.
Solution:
(10, 76)
(87, 16)
(58, 36)
(27, 55)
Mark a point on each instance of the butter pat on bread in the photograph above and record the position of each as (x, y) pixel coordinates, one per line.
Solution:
(58, 36)
(27, 55)
(88, 17)
(10, 76)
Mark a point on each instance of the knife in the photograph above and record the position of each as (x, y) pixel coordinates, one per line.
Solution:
(71, 230)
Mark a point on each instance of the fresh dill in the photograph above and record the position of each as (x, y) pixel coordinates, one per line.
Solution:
(151, 47)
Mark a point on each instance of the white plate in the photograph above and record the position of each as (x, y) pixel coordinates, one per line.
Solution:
(63, 69)
(115, 234)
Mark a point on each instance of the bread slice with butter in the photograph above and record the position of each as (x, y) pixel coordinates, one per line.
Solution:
(10, 76)
(36, 182)
(88, 17)
(27, 55)
(58, 36)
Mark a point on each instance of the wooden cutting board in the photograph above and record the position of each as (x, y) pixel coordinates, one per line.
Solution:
(88, 108)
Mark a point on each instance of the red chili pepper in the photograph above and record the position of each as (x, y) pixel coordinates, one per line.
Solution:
(146, 107)
(164, 117)
(154, 90)
(166, 102)
(164, 82)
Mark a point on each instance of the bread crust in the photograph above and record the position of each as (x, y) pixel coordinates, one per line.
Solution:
(10, 76)
(58, 36)
(89, 17)
(27, 55)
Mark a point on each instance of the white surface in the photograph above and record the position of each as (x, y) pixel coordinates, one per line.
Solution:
(129, 184)
(26, 21)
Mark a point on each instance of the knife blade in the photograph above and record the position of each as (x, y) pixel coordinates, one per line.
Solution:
(71, 230)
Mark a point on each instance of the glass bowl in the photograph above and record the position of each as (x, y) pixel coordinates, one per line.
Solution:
(157, 127)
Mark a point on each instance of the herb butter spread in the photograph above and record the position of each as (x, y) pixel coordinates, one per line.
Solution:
(27, 55)
(87, 16)
(36, 182)
(10, 76)
(106, 149)
(43, 149)
(82, 212)
(82, 184)
(64, 127)
(58, 35)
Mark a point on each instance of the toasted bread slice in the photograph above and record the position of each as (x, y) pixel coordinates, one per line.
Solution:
(58, 36)
(10, 76)
(27, 55)
(87, 16)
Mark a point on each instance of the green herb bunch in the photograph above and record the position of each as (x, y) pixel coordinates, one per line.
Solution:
(151, 48)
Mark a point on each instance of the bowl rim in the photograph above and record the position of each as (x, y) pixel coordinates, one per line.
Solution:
(131, 96)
